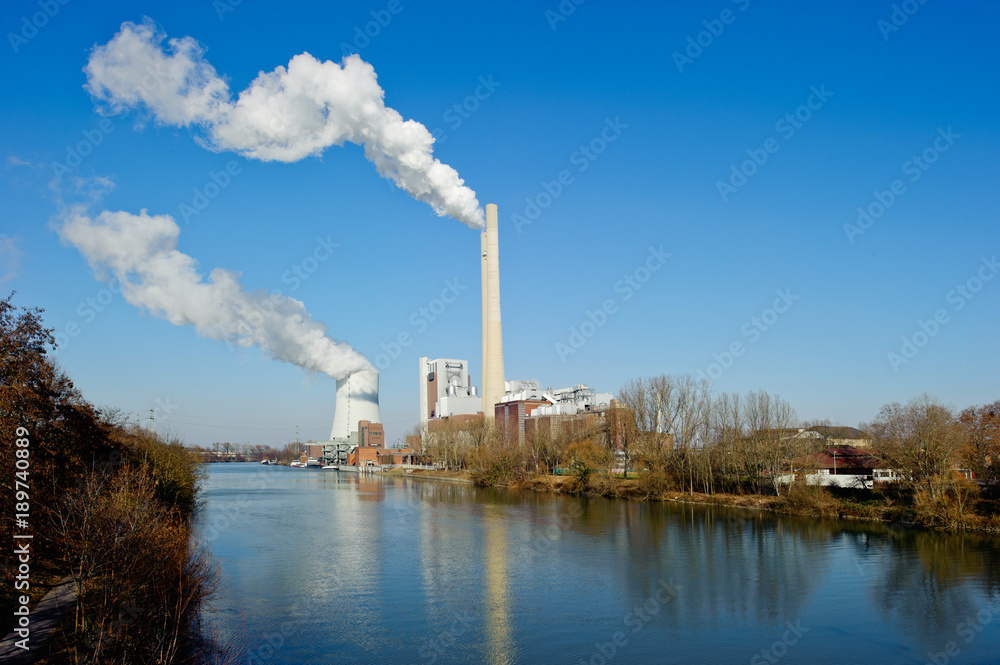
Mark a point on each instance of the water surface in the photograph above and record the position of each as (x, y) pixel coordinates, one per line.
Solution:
(347, 568)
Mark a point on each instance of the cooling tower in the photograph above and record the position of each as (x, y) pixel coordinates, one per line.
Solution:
(493, 386)
(357, 399)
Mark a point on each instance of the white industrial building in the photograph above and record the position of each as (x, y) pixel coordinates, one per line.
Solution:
(357, 399)
(561, 401)
(446, 389)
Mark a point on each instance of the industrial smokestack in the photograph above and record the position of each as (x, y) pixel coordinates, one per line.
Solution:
(357, 399)
(493, 380)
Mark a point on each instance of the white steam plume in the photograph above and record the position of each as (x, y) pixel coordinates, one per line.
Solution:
(141, 252)
(285, 115)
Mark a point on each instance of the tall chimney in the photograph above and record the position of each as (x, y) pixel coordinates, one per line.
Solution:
(493, 381)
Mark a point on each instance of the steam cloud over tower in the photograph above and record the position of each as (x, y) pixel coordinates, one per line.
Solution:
(493, 379)
(357, 399)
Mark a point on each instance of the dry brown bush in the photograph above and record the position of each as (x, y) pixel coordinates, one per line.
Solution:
(949, 505)
(809, 499)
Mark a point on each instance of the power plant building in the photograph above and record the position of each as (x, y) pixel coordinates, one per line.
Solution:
(446, 389)
(357, 402)
(525, 400)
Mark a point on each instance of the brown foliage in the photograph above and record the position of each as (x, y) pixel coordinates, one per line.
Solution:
(139, 583)
(498, 465)
(979, 427)
(919, 439)
(951, 505)
(804, 499)
(110, 505)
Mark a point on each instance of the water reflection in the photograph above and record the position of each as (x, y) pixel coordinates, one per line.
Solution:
(498, 629)
(405, 570)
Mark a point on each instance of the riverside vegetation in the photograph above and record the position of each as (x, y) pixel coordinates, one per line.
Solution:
(111, 505)
(672, 438)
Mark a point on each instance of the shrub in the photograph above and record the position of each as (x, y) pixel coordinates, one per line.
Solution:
(947, 504)
(806, 498)
(498, 466)
(139, 582)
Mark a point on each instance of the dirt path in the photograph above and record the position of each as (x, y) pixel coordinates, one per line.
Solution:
(44, 619)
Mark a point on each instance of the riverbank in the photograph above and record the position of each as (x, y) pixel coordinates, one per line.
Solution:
(431, 474)
(804, 500)
(104, 509)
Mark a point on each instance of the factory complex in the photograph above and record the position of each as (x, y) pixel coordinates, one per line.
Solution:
(448, 400)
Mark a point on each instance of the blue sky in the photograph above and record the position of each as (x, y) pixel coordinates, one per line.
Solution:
(673, 130)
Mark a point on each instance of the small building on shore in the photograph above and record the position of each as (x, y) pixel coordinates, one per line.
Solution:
(842, 467)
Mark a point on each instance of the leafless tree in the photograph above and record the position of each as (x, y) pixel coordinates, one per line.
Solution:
(919, 439)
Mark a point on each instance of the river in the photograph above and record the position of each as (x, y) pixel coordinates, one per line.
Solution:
(336, 567)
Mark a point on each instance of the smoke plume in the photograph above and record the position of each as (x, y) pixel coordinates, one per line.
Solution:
(284, 115)
(141, 252)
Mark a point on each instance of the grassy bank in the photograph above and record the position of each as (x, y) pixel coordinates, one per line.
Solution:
(972, 512)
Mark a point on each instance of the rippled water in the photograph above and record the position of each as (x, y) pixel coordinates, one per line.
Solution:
(336, 567)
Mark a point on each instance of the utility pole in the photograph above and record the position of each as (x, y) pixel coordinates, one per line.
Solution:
(152, 422)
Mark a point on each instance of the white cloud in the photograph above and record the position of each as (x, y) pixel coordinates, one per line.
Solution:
(141, 252)
(284, 115)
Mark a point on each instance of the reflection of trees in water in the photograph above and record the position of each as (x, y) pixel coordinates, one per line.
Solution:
(727, 563)
(929, 582)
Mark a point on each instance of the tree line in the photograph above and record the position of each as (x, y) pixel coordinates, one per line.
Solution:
(111, 505)
(224, 451)
(672, 433)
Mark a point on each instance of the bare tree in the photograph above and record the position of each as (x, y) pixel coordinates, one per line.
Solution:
(979, 427)
(621, 433)
(771, 443)
(671, 418)
(919, 439)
